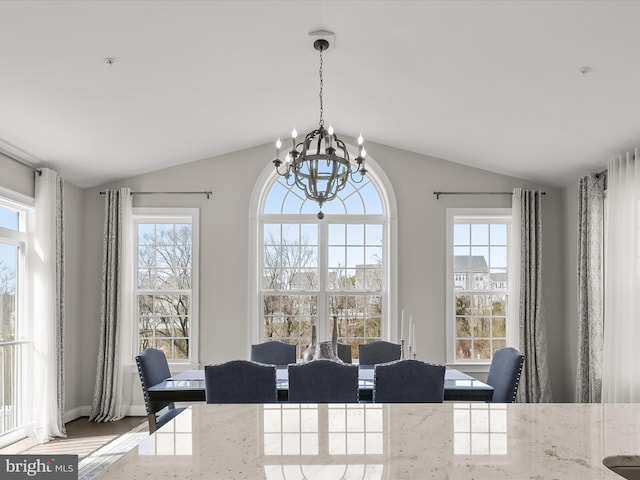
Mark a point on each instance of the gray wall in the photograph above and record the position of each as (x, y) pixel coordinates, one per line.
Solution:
(224, 253)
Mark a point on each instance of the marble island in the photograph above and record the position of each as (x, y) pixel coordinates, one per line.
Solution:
(389, 441)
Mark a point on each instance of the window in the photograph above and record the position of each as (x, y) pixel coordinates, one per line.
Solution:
(166, 281)
(477, 285)
(14, 326)
(315, 272)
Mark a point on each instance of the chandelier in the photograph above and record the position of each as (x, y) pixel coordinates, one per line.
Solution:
(320, 164)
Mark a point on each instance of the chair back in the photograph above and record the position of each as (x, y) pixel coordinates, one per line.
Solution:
(408, 381)
(323, 381)
(344, 352)
(378, 352)
(153, 368)
(240, 381)
(274, 353)
(504, 374)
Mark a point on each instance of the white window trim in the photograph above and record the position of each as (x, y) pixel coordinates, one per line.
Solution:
(473, 214)
(259, 194)
(173, 215)
(22, 238)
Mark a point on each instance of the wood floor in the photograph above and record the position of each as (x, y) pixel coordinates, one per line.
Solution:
(83, 438)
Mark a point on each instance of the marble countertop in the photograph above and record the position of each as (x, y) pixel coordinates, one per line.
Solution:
(391, 441)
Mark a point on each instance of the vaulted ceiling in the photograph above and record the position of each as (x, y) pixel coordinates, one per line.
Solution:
(498, 85)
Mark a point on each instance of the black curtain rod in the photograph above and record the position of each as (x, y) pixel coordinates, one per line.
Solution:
(437, 194)
(207, 193)
(24, 164)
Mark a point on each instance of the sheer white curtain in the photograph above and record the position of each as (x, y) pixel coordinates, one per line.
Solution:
(620, 374)
(513, 334)
(47, 257)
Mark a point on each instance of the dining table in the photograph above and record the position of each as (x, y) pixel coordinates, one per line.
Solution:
(189, 386)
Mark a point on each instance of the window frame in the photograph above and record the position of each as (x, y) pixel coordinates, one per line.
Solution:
(260, 192)
(323, 292)
(22, 238)
(166, 215)
(474, 215)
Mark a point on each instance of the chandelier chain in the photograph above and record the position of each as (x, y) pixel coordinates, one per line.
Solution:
(321, 85)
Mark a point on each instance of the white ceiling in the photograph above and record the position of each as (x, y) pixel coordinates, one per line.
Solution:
(492, 84)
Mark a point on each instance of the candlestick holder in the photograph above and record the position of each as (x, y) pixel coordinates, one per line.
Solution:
(402, 348)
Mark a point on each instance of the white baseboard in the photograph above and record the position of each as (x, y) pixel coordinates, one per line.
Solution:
(85, 411)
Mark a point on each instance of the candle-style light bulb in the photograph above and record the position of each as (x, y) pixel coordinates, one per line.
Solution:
(329, 138)
(360, 140)
(278, 145)
(294, 133)
(363, 153)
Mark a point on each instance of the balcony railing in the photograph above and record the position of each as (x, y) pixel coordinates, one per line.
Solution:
(12, 359)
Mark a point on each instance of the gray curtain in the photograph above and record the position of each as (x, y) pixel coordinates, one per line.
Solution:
(534, 383)
(60, 292)
(590, 289)
(107, 402)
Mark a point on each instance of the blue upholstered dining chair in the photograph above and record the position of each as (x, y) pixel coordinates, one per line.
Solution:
(274, 353)
(344, 352)
(323, 381)
(378, 352)
(504, 374)
(408, 381)
(240, 381)
(153, 368)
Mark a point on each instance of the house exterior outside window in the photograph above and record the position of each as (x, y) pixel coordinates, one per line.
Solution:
(477, 284)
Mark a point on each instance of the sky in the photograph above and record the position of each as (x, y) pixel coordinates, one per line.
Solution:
(9, 220)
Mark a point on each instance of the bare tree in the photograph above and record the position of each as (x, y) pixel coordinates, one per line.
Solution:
(167, 263)
(7, 302)
(288, 266)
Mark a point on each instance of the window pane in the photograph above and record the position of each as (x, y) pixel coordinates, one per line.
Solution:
(275, 199)
(498, 232)
(479, 234)
(371, 199)
(355, 234)
(9, 218)
(8, 291)
(337, 235)
(146, 234)
(479, 268)
(374, 234)
(498, 257)
(461, 234)
(351, 257)
(165, 257)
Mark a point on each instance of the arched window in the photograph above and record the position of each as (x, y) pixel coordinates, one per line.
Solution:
(314, 272)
